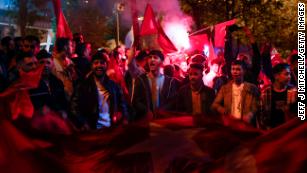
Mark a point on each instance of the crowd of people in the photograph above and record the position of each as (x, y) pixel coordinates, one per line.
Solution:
(100, 89)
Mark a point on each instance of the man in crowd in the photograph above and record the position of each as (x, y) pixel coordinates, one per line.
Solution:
(50, 91)
(153, 90)
(26, 61)
(237, 99)
(31, 44)
(279, 100)
(98, 102)
(195, 98)
(63, 66)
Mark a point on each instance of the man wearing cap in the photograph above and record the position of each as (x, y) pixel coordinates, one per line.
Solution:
(153, 90)
(98, 102)
(50, 91)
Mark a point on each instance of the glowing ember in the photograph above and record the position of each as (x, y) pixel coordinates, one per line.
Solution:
(178, 34)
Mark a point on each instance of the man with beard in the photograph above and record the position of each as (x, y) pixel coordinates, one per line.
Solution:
(153, 90)
(98, 102)
(195, 98)
(237, 99)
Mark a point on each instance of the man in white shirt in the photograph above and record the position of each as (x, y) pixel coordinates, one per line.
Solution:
(237, 99)
(98, 102)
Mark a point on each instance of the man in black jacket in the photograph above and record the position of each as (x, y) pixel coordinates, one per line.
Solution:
(50, 91)
(195, 98)
(98, 102)
(153, 90)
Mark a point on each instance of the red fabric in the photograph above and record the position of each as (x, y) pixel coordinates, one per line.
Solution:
(265, 80)
(135, 23)
(280, 150)
(17, 97)
(198, 42)
(115, 73)
(220, 33)
(63, 29)
(49, 121)
(151, 27)
(171, 145)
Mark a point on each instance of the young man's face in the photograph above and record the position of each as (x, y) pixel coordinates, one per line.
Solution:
(48, 64)
(99, 67)
(28, 64)
(195, 75)
(184, 66)
(154, 62)
(31, 46)
(237, 72)
(283, 77)
(215, 68)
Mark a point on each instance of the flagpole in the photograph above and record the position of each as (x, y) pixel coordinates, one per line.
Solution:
(117, 28)
(199, 31)
(119, 7)
(135, 25)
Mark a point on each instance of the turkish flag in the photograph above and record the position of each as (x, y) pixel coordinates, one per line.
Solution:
(174, 145)
(202, 43)
(220, 33)
(63, 29)
(153, 35)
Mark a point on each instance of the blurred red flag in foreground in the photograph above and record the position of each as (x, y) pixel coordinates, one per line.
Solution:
(150, 27)
(17, 98)
(176, 145)
(279, 150)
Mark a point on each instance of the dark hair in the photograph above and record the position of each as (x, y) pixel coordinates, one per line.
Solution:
(43, 54)
(293, 58)
(280, 67)
(141, 55)
(22, 55)
(169, 70)
(198, 58)
(61, 43)
(16, 39)
(80, 48)
(77, 37)
(100, 55)
(157, 53)
(5, 41)
(198, 66)
(32, 38)
(239, 62)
